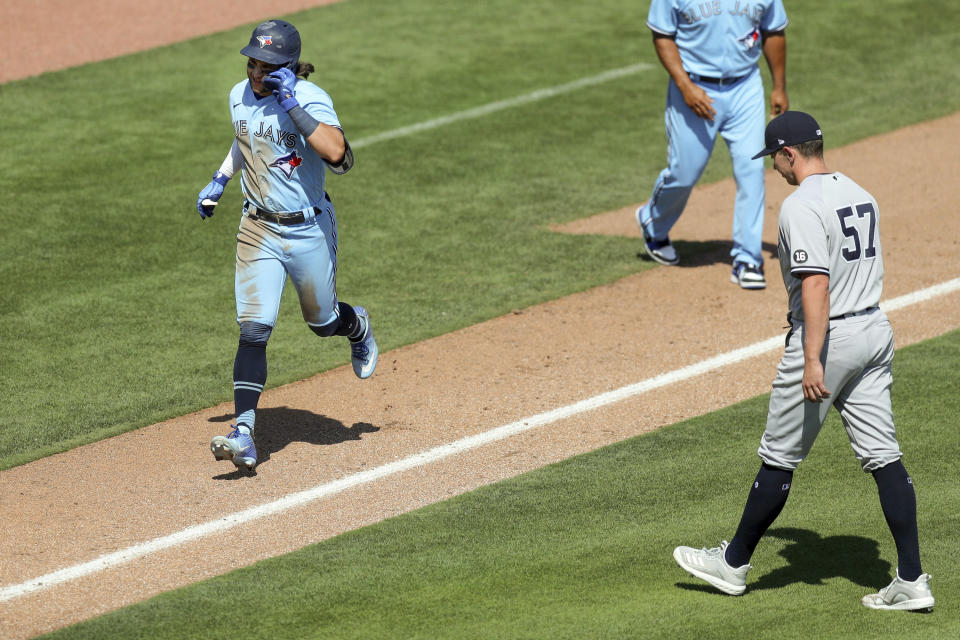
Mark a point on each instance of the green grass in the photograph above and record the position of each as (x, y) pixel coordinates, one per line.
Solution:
(117, 305)
(581, 549)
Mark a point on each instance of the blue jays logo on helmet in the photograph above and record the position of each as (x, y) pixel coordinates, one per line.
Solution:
(264, 41)
(288, 163)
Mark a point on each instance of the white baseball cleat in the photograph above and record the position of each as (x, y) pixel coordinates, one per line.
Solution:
(710, 565)
(901, 595)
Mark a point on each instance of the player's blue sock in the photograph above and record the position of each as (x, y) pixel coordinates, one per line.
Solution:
(765, 502)
(250, 370)
(899, 503)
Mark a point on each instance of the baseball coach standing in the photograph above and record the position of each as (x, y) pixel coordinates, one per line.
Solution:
(710, 50)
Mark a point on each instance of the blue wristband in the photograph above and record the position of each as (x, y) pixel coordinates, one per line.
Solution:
(304, 121)
(221, 178)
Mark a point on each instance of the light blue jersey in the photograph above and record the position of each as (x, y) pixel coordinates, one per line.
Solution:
(281, 172)
(288, 229)
(717, 39)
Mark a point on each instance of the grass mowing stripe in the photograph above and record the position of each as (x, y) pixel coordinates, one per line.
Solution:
(437, 453)
(493, 107)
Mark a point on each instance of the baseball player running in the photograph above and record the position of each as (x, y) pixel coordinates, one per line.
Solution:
(838, 353)
(286, 136)
(710, 50)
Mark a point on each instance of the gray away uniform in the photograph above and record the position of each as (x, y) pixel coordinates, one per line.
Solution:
(829, 225)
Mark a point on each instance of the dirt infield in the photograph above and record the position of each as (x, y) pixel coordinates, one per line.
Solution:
(47, 35)
(105, 497)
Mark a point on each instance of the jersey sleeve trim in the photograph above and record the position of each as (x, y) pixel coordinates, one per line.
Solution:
(660, 31)
(779, 29)
(809, 270)
(317, 102)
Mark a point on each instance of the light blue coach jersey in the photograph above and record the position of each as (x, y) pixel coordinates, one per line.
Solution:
(280, 171)
(719, 38)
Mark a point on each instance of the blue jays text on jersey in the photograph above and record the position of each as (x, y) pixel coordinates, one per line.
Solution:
(280, 137)
(703, 10)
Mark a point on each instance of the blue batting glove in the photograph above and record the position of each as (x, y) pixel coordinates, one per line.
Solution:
(282, 82)
(211, 193)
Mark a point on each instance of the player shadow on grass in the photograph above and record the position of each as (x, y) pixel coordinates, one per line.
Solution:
(279, 426)
(699, 254)
(812, 560)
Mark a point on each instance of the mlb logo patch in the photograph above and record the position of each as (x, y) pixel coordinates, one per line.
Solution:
(264, 40)
(288, 163)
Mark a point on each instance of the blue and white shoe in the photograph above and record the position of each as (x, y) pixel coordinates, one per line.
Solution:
(237, 447)
(748, 276)
(661, 251)
(364, 351)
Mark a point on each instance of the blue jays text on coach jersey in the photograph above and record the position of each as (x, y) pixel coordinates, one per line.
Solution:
(719, 38)
(281, 172)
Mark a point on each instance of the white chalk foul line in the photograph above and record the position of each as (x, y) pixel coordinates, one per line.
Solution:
(301, 498)
(487, 109)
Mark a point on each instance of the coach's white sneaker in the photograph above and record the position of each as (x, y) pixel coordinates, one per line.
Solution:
(901, 595)
(710, 565)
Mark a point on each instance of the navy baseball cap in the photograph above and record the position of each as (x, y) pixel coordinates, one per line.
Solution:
(788, 129)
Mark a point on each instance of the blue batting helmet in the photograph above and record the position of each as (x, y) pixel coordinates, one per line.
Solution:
(275, 42)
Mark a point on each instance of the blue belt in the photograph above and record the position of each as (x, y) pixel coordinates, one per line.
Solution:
(718, 81)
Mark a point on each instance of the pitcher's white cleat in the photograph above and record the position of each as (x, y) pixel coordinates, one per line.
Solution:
(710, 565)
(901, 595)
